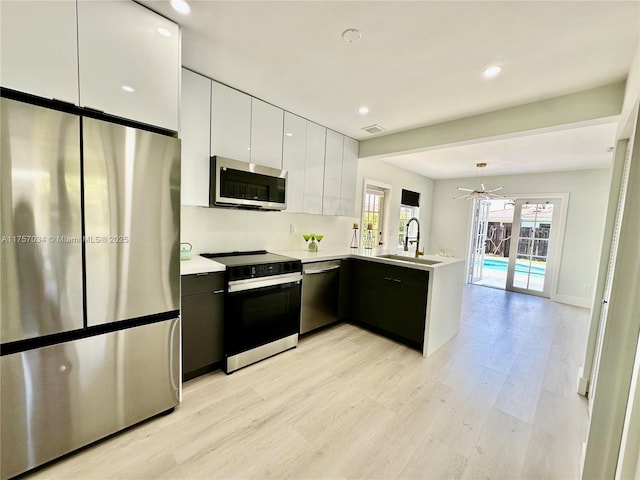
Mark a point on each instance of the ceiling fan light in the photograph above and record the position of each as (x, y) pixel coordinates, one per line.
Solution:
(481, 191)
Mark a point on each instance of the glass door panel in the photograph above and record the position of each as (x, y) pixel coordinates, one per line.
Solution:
(527, 271)
(479, 239)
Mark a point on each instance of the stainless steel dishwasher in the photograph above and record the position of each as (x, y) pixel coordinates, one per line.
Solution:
(320, 291)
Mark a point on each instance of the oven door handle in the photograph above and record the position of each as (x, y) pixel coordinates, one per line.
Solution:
(254, 283)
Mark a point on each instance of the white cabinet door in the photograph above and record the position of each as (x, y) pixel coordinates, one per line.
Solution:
(349, 177)
(230, 123)
(266, 134)
(195, 130)
(293, 160)
(119, 46)
(332, 173)
(314, 168)
(38, 48)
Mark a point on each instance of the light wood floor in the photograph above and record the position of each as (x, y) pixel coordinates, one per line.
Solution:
(498, 401)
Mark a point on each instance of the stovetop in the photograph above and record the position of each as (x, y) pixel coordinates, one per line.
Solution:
(253, 264)
(256, 257)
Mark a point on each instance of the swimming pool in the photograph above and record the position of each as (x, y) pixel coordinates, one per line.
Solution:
(501, 264)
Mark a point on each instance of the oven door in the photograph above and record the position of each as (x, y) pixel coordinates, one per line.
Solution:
(261, 310)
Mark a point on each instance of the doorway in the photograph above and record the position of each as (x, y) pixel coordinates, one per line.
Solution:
(531, 254)
(491, 238)
(513, 244)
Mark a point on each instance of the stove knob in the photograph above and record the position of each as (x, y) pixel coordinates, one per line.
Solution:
(287, 267)
(246, 271)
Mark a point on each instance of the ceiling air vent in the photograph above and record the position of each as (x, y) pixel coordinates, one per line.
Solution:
(373, 129)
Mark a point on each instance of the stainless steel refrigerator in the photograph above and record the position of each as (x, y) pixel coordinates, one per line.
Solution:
(89, 278)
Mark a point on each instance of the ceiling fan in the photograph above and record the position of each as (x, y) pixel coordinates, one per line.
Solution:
(481, 191)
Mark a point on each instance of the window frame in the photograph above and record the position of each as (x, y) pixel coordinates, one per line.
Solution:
(370, 185)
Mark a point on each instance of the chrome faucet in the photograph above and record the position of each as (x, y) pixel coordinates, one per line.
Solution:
(406, 238)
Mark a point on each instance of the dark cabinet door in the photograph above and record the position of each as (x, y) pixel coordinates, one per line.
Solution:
(393, 300)
(202, 324)
(354, 288)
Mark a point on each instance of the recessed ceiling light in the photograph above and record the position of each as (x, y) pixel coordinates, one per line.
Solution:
(289, 134)
(165, 32)
(492, 71)
(351, 35)
(363, 110)
(128, 89)
(181, 6)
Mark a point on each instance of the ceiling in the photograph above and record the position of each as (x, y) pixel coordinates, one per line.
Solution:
(418, 62)
(561, 150)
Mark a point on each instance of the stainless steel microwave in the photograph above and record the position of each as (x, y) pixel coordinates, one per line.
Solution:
(246, 185)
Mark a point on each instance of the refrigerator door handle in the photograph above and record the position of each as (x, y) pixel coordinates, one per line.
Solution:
(174, 364)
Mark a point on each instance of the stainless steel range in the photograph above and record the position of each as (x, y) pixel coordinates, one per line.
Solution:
(262, 305)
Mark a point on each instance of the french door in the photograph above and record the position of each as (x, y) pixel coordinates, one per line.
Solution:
(478, 239)
(531, 255)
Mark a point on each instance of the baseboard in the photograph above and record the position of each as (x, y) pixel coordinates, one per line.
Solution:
(575, 301)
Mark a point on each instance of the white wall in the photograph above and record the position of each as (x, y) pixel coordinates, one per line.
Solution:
(588, 194)
(222, 230)
(397, 178)
(225, 230)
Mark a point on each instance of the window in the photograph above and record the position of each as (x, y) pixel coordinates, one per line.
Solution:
(409, 207)
(372, 213)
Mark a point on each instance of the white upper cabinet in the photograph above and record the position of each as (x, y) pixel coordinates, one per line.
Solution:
(230, 123)
(293, 160)
(349, 178)
(128, 68)
(38, 48)
(314, 168)
(266, 134)
(195, 131)
(332, 173)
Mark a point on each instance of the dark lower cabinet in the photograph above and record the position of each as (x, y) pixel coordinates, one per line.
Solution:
(202, 323)
(390, 300)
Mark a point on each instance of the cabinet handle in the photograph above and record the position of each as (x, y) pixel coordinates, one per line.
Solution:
(321, 270)
(218, 291)
(202, 274)
(389, 279)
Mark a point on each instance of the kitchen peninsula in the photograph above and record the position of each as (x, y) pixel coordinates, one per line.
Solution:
(396, 287)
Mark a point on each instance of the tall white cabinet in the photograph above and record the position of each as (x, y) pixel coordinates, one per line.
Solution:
(195, 132)
(266, 134)
(332, 173)
(120, 50)
(293, 160)
(230, 123)
(349, 177)
(85, 52)
(38, 48)
(314, 168)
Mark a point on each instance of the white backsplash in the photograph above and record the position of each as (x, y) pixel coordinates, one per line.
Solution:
(225, 230)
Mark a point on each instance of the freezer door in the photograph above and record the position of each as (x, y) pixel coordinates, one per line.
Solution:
(59, 398)
(40, 231)
(132, 218)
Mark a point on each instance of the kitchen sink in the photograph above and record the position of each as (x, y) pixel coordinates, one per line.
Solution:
(402, 258)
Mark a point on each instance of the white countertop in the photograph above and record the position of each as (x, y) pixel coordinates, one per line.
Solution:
(306, 256)
(374, 255)
(199, 264)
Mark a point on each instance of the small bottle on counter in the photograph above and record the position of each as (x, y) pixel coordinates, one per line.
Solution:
(368, 237)
(354, 238)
